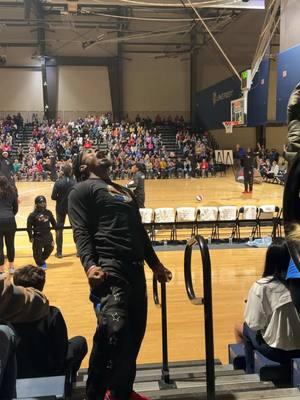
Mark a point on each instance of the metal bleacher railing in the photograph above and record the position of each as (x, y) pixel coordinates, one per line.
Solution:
(206, 300)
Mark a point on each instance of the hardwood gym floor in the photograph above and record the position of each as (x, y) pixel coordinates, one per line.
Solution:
(233, 270)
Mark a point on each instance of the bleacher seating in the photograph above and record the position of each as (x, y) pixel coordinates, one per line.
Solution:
(269, 370)
(51, 387)
(236, 355)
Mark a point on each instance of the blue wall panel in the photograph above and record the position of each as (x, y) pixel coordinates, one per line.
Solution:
(288, 76)
(258, 96)
(213, 103)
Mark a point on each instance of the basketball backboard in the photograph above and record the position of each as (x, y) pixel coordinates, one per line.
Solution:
(239, 111)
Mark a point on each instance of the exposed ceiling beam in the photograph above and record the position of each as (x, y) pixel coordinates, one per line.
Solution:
(18, 44)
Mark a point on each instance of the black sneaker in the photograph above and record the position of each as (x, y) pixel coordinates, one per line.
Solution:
(58, 255)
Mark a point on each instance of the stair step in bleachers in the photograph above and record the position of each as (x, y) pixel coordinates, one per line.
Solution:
(236, 355)
(51, 387)
(296, 372)
(271, 371)
(266, 369)
(177, 373)
(188, 382)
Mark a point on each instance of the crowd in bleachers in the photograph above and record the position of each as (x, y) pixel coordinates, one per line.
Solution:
(126, 142)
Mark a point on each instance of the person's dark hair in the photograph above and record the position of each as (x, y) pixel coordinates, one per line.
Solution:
(30, 276)
(40, 199)
(67, 171)
(6, 188)
(76, 167)
(277, 260)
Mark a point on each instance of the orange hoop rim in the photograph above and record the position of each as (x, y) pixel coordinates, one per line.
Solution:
(230, 123)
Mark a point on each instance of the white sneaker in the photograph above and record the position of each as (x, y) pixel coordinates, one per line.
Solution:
(11, 270)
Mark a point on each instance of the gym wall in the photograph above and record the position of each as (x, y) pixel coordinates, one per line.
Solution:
(21, 90)
(82, 90)
(154, 86)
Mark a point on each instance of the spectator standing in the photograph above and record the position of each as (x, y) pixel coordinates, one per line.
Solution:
(5, 165)
(248, 167)
(8, 210)
(137, 184)
(60, 194)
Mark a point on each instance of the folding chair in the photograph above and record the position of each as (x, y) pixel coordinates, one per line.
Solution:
(267, 217)
(186, 219)
(164, 219)
(227, 218)
(207, 218)
(147, 220)
(247, 218)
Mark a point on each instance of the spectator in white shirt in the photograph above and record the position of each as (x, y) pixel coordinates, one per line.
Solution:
(272, 323)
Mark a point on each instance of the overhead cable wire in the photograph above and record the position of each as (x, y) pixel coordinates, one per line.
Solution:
(85, 10)
(214, 40)
(199, 4)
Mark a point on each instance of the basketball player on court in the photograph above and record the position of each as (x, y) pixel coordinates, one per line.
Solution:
(112, 244)
(248, 167)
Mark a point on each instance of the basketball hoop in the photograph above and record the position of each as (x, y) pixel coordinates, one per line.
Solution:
(228, 125)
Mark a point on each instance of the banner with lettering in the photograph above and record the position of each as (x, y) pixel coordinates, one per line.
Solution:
(213, 103)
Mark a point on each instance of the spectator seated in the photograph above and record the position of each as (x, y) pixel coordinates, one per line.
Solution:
(43, 347)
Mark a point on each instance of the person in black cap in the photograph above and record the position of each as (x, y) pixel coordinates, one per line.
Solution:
(60, 193)
(113, 245)
(137, 184)
(39, 224)
(248, 166)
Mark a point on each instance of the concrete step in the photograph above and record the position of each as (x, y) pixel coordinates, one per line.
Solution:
(197, 372)
(227, 382)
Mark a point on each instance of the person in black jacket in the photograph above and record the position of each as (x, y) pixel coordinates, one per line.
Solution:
(5, 166)
(293, 119)
(8, 210)
(43, 345)
(248, 167)
(112, 244)
(39, 224)
(60, 194)
(137, 184)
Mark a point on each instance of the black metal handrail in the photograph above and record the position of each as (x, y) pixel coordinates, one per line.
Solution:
(162, 303)
(207, 301)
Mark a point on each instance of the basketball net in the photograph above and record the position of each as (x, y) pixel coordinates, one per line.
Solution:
(228, 125)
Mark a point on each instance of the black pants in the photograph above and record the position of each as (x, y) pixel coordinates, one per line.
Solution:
(77, 350)
(60, 219)
(118, 337)
(248, 179)
(9, 237)
(42, 248)
(252, 342)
